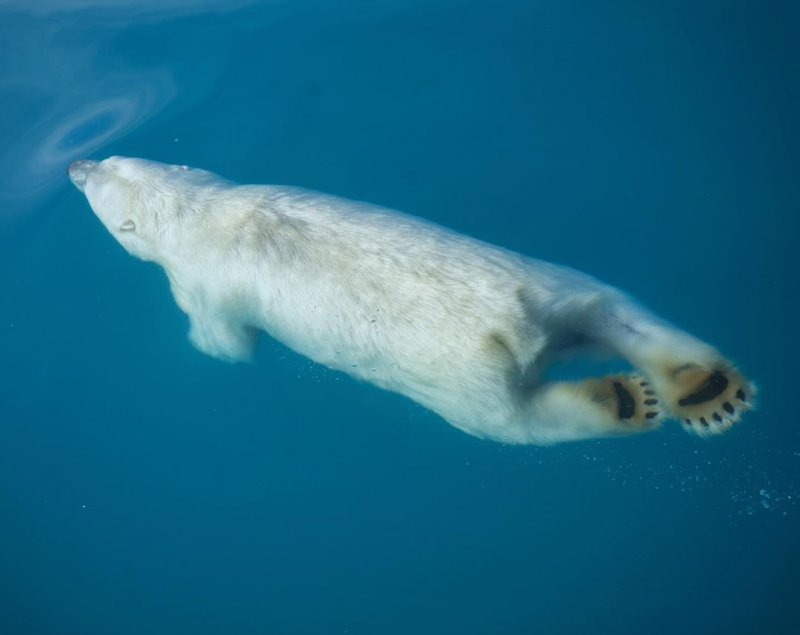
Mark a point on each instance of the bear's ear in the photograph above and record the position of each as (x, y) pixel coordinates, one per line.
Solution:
(127, 226)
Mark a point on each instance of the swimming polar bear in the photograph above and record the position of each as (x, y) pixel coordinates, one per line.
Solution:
(462, 327)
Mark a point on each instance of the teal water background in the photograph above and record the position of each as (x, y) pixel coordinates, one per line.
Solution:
(146, 488)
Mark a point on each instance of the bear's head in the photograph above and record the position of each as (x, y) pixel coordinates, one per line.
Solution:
(141, 203)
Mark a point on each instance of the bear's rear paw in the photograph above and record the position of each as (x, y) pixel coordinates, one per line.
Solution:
(709, 400)
(630, 400)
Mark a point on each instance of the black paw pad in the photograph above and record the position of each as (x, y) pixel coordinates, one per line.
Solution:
(711, 388)
(625, 403)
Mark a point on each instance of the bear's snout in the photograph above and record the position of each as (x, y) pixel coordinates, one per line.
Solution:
(79, 170)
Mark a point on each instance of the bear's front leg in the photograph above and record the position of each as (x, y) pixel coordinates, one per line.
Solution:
(222, 338)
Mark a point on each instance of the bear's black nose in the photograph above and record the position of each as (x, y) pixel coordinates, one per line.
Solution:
(79, 170)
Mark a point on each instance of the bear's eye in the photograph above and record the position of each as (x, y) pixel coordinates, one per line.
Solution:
(128, 226)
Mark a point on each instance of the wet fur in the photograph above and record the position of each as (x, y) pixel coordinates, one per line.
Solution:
(465, 328)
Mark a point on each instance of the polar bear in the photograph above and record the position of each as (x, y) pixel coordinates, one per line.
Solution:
(462, 327)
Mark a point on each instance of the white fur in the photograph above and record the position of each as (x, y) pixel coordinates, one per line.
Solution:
(460, 326)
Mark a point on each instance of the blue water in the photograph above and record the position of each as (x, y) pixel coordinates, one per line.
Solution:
(146, 488)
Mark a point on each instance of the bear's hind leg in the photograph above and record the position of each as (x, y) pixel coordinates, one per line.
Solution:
(597, 407)
(698, 386)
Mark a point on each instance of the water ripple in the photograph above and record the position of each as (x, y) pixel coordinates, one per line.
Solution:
(68, 91)
(73, 130)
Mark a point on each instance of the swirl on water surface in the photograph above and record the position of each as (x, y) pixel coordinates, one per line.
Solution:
(93, 125)
(97, 124)
(80, 92)
(73, 131)
(69, 90)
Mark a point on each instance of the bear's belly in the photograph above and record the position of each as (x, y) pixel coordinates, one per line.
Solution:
(449, 344)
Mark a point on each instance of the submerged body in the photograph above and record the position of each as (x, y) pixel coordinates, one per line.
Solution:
(462, 327)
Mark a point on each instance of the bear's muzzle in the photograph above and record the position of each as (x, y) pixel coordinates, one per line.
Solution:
(79, 170)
